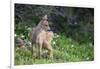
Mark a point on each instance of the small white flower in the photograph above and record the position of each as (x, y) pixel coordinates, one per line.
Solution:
(28, 28)
(30, 43)
(57, 36)
(54, 42)
(15, 35)
(72, 45)
(22, 36)
(87, 58)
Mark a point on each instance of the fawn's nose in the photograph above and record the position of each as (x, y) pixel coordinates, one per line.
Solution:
(49, 29)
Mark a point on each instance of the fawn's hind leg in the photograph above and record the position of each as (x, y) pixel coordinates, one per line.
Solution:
(50, 51)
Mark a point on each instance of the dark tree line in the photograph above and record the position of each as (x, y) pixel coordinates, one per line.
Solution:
(74, 22)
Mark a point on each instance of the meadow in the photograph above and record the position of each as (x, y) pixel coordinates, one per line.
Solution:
(64, 50)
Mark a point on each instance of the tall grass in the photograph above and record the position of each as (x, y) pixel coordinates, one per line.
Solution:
(64, 50)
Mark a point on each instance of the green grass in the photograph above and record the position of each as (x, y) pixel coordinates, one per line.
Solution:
(64, 50)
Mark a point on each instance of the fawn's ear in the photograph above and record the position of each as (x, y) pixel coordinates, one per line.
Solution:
(45, 17)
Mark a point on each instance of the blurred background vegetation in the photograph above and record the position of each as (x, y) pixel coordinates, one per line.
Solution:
(73, 29)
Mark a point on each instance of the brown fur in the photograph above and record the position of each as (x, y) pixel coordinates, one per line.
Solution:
(47, 43)
(41, 37)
